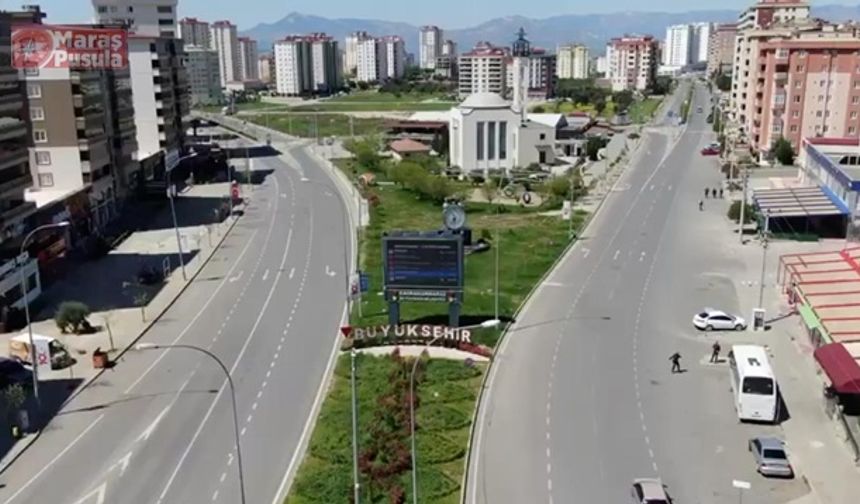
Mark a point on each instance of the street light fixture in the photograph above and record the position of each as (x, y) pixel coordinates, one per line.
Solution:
(171, 190)
(153, 346)
(25, 294)
(487, 324)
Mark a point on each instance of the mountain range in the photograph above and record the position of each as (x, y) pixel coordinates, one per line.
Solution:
(593, 30)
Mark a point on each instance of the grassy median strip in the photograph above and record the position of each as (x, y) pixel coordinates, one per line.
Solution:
(529, 244)
(388, 106)
(446, 395)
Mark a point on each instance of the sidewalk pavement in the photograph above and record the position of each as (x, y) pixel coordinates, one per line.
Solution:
(816, 445)
(119, 311)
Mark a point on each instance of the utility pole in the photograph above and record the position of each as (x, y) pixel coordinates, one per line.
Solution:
(289, 124)
(356, 485)
(743, 198)
(764, 243)
(570, 214)
(351, 127)
(317, 128)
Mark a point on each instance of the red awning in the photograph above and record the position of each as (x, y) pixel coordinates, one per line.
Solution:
(841, 368)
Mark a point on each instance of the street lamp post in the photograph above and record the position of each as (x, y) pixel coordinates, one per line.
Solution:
(25, 294)
(484, 325)
(764, 243)
(171, 190)
(152, 346)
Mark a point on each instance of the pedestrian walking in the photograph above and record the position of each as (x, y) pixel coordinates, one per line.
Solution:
(706, 192)
(715, 352)
(721, 193)
(714, 193)
(701, 205)
(676, 362)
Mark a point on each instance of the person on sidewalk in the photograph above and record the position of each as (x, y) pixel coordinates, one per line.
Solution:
(701, 205)
(707, 191)
(676, 362)
(715, 352)
(721, 193)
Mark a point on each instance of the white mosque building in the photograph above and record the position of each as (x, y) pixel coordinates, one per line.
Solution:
(490, 134)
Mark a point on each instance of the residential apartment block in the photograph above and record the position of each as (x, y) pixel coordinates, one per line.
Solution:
(204, 77)
(194, 32)
(721, 48)
(482, 70)
(449, 48)
(248, 57)
(380, 59)
(395, 57)
(350, 62)
(225, 40)
(430, 41)
(686, 44)
(542, 78)
(156, 18)
(631, 62)
(572, 62)
(266, 68)
(307, 65)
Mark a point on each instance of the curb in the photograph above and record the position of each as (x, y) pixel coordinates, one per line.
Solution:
(86, 383)
(534, 289)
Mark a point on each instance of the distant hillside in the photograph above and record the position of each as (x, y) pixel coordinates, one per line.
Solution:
(591, 29)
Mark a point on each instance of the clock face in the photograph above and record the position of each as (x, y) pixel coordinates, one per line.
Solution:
(455, 217)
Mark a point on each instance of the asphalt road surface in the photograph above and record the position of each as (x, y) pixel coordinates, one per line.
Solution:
(582, 400)
(159, 428)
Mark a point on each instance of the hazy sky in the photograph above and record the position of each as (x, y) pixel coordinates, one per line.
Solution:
(446, 13)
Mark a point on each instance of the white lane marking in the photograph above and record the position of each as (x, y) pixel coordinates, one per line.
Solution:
(232, 368)
(266, 274)
(259, 393)
(292, 272)
(642, 257)
(651, 188)
(98, 492)
(242, 432)
(250, 417)
(284, 195)
(237, 277)
(254, 406)
(223, 477)
(197, 316)
(329, 272)
(554, 284)
(215, 495)
(229, 459)
(669, 188)
(55, 459)
(148, 431)
(585, 252)
(122, 463)
(617, 253)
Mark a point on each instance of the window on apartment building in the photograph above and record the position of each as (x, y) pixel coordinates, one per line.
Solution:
(854, 115)
(101, 9)
(795, 114)
(818, 128)
(796, 98)
(34, 91)
(43, 158)
(822, 83)
(852, 130)
(165, 9)
(820, 98)
(165, 22)
(131, 8)
(46, 180)
(855, 100)
(818, 113)
(826, 128)
(777, 127)
(479, 140)
(798, 84)
(793, 128)
(37, 114)
(40, 136)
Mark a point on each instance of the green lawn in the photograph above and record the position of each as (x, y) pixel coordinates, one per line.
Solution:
(383, 106)
(643, 110)
(303, 125)
(257, 105)
(375, 96)
(447, 391)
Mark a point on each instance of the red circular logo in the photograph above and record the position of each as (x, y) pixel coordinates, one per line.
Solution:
(31, 47)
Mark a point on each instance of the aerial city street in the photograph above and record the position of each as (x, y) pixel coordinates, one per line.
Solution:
(406, 253)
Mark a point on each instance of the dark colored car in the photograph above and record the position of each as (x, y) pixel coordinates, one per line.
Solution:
(12, 372)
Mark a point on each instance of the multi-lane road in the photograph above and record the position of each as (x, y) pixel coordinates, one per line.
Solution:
(581, 400)
(158, 428)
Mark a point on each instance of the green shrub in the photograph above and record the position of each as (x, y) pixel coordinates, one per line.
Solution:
(322, 482)
(439, 370)
(72, 316)
(734, 212)
(441, 417)
(437, 449)
(444, 392)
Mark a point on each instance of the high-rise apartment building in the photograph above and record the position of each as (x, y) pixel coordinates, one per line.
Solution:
(248, 57)
(266, 68)
(721, 48)
(758, 24)
(159, 85)
(225, 40)
(449, 48)
(204, 78)
(395, 57)
(194, 32)
(483, 69)
(307, 65)
(351, 51)
(155, 18)
(15, 135)
(430, 40)
(631, 62)
(701, 41)
(541, 77)
(572, 62)
(678, 45)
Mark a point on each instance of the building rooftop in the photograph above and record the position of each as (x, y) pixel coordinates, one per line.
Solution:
(485, 101)
(842, 154)
(409, 146)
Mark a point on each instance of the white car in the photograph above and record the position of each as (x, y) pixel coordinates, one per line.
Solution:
(710, 319)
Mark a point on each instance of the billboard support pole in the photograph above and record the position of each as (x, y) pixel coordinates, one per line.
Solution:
(394, 313)
(454, 314)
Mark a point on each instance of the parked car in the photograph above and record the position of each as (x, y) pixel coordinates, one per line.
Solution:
(12, 372)
(770, 457)
(650, 491)
(710, 319)
(711, 151)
